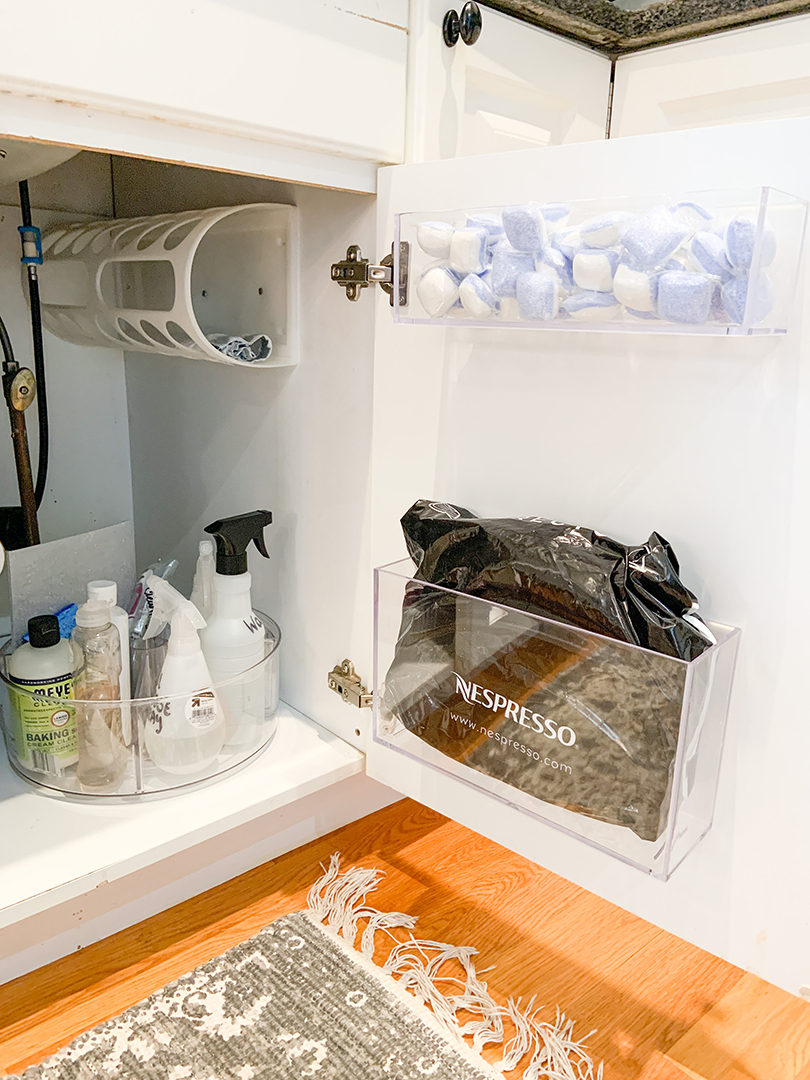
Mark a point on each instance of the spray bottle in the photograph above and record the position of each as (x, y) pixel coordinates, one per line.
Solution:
(202, 591)
(233, 642)
(185, 732)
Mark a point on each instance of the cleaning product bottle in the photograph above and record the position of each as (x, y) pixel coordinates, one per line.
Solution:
(103, 755)
(234, 640)
(108, 592)
(43, 729)
(185, 731)
(202, 592)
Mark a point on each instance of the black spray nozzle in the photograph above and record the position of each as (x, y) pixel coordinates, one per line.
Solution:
(233, 536)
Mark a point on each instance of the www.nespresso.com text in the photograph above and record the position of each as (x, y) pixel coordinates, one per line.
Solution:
(520, 747)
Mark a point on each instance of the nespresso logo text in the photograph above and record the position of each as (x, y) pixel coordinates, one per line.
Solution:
(474, 694)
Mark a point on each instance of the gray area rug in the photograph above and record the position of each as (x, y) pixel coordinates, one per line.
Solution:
(298, 1000)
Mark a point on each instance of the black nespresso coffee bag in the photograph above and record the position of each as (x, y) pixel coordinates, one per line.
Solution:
(577, 720)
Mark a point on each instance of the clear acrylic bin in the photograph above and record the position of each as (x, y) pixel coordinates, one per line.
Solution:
(608, 264)
(115, 741)
(605, 741)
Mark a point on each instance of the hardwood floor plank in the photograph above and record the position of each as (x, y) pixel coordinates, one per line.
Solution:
(755, 1030)
(663, 1008)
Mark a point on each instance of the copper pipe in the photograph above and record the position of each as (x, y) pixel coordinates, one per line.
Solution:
(25, 480)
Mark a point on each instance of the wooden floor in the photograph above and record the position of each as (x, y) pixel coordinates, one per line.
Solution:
(665, 1010)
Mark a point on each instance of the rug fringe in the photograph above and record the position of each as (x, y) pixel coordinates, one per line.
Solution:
(553, 1053)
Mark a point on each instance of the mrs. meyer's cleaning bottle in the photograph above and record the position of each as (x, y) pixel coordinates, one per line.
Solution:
(233, 642)
(44, 725)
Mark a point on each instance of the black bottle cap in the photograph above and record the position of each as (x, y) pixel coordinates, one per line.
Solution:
(233, 536)
(43, 631)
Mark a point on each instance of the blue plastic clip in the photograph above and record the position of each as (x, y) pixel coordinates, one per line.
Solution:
(31, 239)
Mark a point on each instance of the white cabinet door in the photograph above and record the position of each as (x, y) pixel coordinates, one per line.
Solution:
(704, 439)
(518, 87)
(759, 73)
(314, 77)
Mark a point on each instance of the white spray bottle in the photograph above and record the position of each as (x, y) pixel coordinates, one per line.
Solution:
(233, 642)
(185, 732)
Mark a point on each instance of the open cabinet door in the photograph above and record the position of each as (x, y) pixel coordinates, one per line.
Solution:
(702, 438)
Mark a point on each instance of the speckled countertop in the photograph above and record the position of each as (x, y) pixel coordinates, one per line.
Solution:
(627, 25)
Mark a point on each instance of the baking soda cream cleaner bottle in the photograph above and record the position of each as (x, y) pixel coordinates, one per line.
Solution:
(44, 727)
(234, 639)
(185, 728)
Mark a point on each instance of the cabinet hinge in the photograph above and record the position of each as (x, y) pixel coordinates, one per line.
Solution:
(355, 273)
(344, 680)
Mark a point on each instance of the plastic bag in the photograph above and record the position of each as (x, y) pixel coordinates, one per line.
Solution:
(563, 572)
(582, 722)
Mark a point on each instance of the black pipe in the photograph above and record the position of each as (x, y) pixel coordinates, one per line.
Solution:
(39, 356)
(9, 363)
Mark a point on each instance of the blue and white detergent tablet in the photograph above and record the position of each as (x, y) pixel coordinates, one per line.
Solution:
(509, 310)
(567, 241)
(488, 222)
(507, 266)
(552, 261)
(606, 230)
(469, 250)
(717, 311)
(653, 237)
(645, 316)
(594, 270)
(438, 290)
(694, 216)
(637, 289)
(740, 237)
(707, 253)
(477, 297)
(434, 237)
(684, 297)
(735, 295)
(555, 215)
(538, 296)
(525, 228)
(592, 306)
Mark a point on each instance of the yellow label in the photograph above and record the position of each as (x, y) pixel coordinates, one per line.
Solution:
(45, 729)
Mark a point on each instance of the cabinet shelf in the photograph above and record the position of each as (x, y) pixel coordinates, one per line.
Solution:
(69, 847)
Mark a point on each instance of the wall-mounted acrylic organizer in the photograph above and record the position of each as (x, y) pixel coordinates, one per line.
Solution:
(716, 262)
(608, 742)
(118, 748)
(171, 283)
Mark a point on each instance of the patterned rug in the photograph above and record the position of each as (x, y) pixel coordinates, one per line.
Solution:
(304, 998)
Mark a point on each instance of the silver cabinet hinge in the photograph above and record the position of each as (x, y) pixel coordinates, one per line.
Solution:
(344, 680)
(354, 273)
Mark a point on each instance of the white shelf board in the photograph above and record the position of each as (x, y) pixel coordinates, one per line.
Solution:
(53, 849)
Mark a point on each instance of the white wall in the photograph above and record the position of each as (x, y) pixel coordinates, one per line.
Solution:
(704, 439)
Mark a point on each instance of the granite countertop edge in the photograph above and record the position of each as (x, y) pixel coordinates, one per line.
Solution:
(600, 24)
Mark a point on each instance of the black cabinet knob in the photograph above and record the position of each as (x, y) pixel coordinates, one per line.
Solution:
(470, 23)
(467, 27)
(451, 28)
